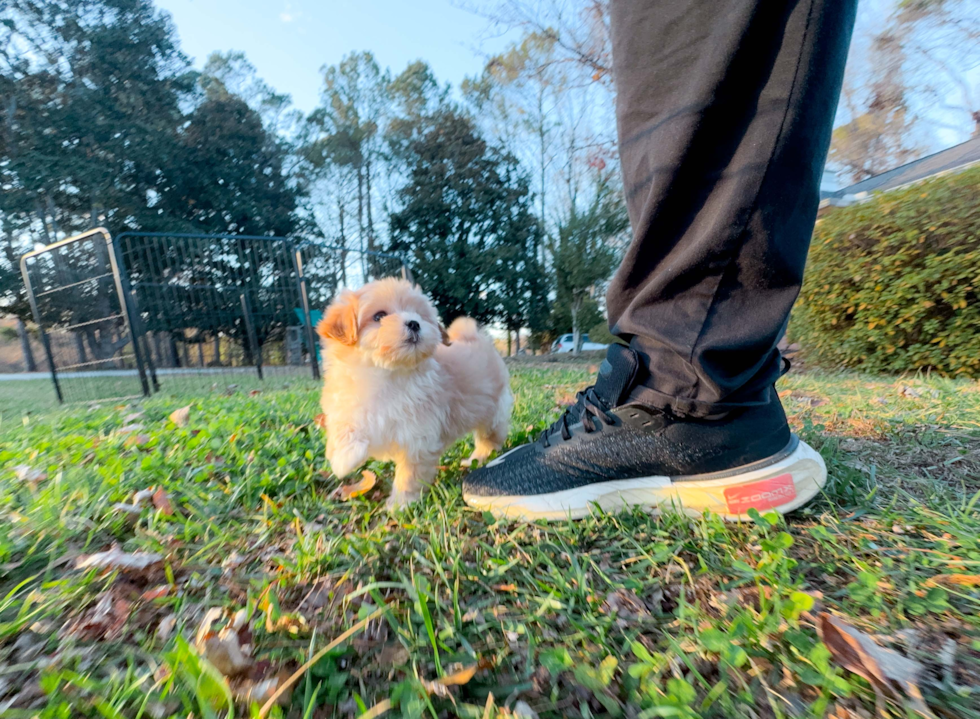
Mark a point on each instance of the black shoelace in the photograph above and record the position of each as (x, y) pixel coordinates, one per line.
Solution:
(588, 407)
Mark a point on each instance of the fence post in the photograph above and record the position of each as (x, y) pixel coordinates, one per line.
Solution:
(148, 355)
(304, 299)
(40, 328)
(127, 308)
(253, 340)
(406, 270)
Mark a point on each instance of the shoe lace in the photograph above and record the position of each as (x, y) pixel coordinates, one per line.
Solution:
(588, 407)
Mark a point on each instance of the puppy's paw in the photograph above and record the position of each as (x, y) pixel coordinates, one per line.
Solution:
(347, 457)
(400, 499)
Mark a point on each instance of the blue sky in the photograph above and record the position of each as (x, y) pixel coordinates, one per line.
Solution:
(288, 41)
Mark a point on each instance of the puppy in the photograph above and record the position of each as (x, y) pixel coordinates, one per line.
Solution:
(399, 387)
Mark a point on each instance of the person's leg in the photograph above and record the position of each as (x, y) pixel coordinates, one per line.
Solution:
(725, 111)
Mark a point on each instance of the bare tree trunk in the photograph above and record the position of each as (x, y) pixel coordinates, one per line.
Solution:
(200, 353)
(217, 350)
(186, 354)
(343, 244)
(370, 221)
(171, 346)
(508, 342)
(158, 349)
(79, 348)
(517, 341)
(576, 333)
(360, 220)
(25, 347)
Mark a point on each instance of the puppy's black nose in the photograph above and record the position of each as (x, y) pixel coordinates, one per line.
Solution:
(413, 325)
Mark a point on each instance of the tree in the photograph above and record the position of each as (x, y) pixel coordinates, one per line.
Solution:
(346, 133)
(465, 220)
(585, 252)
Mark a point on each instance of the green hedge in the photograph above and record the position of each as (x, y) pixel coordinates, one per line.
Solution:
(892, 283)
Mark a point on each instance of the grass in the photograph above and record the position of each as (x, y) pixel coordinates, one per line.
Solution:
(628, 615)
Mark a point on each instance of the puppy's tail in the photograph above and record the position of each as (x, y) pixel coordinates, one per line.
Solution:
(464, 329)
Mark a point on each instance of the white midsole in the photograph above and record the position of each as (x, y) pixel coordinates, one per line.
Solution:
(693, 497)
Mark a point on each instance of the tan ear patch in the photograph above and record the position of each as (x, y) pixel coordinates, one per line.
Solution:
(339, 323)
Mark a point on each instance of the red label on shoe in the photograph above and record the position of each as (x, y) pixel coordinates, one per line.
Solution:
(761, 495)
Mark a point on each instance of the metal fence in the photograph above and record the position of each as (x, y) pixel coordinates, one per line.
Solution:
(149, 312)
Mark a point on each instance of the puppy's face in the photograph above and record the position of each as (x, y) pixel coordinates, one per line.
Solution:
(388, 323)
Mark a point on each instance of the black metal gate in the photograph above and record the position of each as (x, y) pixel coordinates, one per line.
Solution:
(208, 312)
(79, 302)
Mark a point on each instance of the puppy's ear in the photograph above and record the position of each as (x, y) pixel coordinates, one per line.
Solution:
(340, 321)
(445, 336)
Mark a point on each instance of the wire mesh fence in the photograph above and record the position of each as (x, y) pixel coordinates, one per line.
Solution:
(182, 313)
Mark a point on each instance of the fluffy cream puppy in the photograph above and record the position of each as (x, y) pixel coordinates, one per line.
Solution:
(399, 387)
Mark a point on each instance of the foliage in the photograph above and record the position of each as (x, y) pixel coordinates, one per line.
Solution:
(893, 284)
(600, 333)
(466, 222)
(585, 251)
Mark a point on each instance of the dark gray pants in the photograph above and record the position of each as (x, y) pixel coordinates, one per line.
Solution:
(725, 110)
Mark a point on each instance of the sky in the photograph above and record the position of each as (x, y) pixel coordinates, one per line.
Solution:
(288, 41)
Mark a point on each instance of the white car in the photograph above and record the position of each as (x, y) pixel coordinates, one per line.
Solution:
(566, 343)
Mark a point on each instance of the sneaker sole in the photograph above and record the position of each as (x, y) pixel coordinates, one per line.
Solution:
(782, 483)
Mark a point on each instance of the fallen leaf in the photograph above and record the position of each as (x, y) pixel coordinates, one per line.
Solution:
(889, 673)
(181, 416)
(523, 710)
(156, 592)
(223, 649)
(959, 580)
(320, 421)
(506, 588)
(26, 473)
(136, 440)
(144, 495)
(349, 491)
(162, 502)
(440, 687)
(248, 691)
(115, 558)
(166, 627)
(131, 512)
(129, 428)
(103, 621)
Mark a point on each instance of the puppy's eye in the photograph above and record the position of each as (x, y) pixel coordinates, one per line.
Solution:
(378, 316)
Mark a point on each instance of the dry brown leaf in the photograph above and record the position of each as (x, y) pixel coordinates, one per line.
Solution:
(26, 473)
(131, 512)
(889, 672)
(115, 558)
(506, 588)
(349, 491)
(144, 495)
(223, 649)
(129, 428)
(248, 691)
(156, 592)
(959, 580)
(103, 621)
(320, 421)
(440, 687)
(162, 502)
(136, 440)
(181, 417)
(166, 627)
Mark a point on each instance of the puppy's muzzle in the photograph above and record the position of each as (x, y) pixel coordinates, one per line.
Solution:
(414, 332)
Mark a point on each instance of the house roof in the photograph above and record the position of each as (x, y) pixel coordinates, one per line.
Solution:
(966, 153)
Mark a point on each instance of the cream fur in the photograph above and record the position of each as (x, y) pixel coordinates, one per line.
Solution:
(388, 398)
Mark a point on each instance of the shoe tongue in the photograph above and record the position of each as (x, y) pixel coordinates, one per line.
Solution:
(616, 374)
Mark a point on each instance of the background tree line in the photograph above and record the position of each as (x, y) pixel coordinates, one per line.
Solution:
(503, 192)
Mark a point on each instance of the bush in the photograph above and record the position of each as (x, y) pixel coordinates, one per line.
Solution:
(892, 283)
(601, 334)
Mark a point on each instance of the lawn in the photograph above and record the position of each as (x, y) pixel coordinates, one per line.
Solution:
(247, 561)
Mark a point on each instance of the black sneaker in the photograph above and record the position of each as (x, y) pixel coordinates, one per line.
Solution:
(614, 455)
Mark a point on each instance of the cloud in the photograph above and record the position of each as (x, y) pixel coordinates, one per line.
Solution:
(287, 15)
